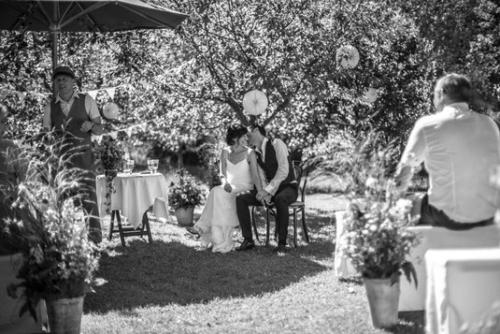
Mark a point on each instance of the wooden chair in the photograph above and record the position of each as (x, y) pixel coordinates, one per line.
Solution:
(298, 206)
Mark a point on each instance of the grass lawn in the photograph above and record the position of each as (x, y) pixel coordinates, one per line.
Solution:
(174, 286)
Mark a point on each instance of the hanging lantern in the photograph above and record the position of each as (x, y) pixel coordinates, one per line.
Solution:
(370, 95)
(347, 56)
(110, 110)
(255, 102)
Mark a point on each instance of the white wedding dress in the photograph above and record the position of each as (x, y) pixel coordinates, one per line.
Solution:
(218, 219)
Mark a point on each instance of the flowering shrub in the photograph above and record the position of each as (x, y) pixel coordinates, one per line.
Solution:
(58, 259)
(376, 240)
(185, 191)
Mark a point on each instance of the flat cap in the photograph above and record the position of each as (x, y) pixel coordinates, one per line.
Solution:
(64, 70)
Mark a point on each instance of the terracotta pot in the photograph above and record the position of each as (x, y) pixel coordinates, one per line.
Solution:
(10, 321)
(383, 300)
(185, 216)
(65, 315)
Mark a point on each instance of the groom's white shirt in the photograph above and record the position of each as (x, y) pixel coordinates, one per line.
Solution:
(282, 158)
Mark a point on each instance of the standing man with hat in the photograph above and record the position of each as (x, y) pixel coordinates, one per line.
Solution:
(77, 114)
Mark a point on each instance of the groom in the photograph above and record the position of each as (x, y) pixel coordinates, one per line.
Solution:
(275, 165)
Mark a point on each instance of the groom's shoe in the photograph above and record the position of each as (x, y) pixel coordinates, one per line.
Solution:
(246, 245)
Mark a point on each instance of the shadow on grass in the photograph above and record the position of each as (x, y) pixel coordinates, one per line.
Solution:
(356, 280)
(172, 273)
(321, 231)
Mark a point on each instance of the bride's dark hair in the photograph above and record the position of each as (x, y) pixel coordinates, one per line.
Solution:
(234, 132)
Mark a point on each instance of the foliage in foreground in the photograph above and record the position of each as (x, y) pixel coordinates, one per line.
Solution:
(58, 260)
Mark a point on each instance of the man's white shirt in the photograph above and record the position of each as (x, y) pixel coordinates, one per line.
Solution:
(459, 148)
(282, 158)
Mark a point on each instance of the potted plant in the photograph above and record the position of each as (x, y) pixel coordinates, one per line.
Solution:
(58, 261)
(378, 244)
(184, 194)
(376, 239)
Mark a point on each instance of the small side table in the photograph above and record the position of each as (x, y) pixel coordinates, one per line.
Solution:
(134, 195)
(129, 231)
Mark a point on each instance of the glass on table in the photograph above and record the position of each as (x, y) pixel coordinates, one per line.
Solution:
(151, 166)
(129, 166)
(155, 165)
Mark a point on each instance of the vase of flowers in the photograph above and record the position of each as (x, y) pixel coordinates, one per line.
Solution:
(377, 243)
(185, 193)
(112, 157)
(58, 261)
(111, 154)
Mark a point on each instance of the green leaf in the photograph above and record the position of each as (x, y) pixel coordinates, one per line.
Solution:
(409, 271)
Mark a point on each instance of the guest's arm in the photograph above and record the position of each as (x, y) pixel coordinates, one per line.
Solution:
(412, 157)
(223, 171)
(95, 124)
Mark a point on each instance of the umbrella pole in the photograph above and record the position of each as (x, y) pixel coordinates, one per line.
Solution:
(54, 35)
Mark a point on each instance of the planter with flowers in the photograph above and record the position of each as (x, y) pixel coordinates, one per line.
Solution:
(378, 244)
(185, 193)
(376, 239)
(58, 262)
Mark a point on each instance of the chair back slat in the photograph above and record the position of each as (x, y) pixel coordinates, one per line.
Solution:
(299, 175)
(297, 170)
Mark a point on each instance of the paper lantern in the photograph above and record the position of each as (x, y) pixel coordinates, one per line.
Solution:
(370, 95)
(255, 102)
(347, 56)
(110, 110)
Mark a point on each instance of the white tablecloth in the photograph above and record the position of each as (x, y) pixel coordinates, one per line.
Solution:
(461, 286)
(343, 265)
(135, 193)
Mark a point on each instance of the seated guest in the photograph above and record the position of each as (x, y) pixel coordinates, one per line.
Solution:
(459, 149)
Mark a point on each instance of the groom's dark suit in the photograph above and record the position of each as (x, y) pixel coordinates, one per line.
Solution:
(283, 187)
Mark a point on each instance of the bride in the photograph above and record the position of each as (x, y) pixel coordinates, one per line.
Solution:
(238, 167)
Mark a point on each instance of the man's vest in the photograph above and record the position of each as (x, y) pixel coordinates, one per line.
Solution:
(270, 166)
(80, 144)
